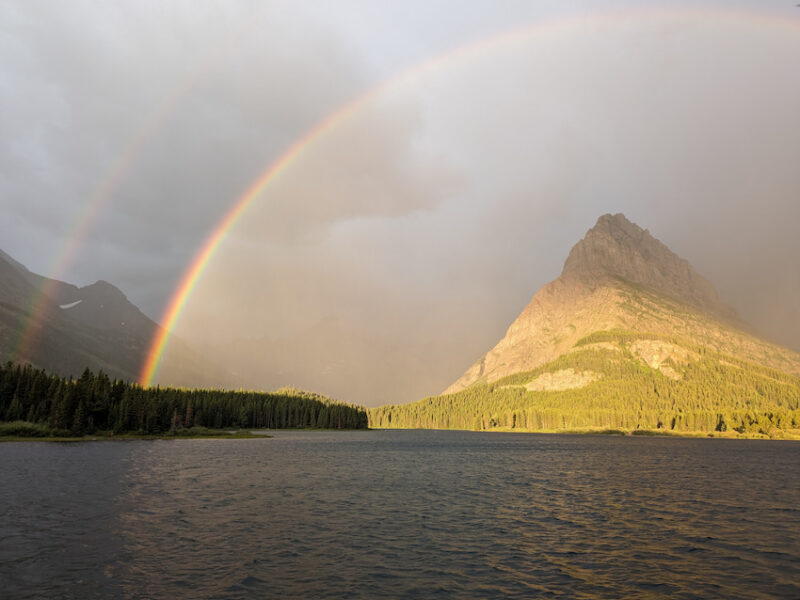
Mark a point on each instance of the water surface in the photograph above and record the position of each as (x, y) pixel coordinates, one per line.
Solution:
(401, 514)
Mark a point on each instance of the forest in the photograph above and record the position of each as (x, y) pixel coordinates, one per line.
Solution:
(40, 402)
(714, 393)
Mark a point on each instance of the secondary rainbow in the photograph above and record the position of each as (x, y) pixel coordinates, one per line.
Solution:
(98, 199)
(118, 171)
(190, 278)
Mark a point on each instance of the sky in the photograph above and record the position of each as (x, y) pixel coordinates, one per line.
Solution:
(482, 140)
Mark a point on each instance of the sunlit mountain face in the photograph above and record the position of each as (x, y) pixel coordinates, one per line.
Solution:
(630, 338)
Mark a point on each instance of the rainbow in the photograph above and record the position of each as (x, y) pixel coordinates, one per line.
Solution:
(117, 173)
(98, 198)
(213, 242)
(208, 250)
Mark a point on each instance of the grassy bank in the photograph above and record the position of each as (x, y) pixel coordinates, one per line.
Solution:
(22, 431)
(732, 435)
(775, 434)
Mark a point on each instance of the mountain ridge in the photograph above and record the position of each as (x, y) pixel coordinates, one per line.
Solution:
(71, 328)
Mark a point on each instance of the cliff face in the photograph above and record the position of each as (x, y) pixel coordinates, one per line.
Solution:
(620, 277)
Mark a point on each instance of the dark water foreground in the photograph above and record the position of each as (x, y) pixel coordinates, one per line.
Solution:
(401, 515)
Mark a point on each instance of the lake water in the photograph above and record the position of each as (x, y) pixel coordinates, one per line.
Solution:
(401, 514)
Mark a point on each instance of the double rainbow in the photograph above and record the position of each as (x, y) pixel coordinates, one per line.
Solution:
(207, 252)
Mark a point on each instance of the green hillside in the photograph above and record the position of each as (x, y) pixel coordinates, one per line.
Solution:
(620, 380)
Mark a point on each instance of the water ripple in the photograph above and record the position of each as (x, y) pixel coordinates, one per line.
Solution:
(401, 515)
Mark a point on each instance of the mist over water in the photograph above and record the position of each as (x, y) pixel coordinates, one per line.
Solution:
(402, 514)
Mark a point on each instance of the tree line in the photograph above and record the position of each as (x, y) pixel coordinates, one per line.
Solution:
(94, 402)
(714, 393)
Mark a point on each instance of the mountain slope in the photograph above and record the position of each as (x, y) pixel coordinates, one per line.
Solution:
(628, 336)
(67, 329)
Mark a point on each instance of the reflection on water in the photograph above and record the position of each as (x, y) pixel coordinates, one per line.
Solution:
(59, 527)
(402, 514)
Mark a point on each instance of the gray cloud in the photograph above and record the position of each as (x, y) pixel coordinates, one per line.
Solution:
(194, 100)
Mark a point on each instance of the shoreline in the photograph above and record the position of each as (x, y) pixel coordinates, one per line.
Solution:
(211, 434)
(793, 435)
(122, 437)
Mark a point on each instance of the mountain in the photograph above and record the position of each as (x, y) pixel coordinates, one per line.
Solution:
(64, 329)
(629, 336)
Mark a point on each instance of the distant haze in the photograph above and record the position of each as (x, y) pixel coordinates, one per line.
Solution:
(400, 245)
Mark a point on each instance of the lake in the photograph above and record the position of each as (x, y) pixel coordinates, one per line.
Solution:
(401, 514)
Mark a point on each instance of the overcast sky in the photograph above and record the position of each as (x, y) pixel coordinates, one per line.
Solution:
(437, 208)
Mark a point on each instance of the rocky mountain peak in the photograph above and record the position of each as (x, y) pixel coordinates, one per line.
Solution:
(102, 291)
(618, 248)
(618, 277)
